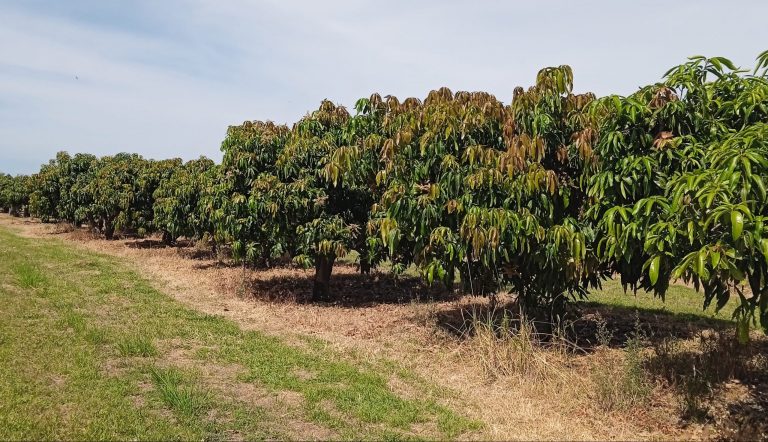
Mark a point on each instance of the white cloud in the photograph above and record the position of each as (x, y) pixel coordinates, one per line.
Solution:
(168, 77)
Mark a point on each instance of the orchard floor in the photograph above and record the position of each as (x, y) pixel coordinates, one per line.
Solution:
(182, 345)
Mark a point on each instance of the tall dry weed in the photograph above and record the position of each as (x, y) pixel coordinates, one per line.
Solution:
(624, 383)
(507, 345)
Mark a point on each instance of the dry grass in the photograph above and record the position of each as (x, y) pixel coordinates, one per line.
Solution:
(508, 346)
(522, 386)
(566, 389)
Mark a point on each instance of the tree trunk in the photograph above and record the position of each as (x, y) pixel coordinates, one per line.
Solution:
(323, 269)
(168, 240)
(109, 230)
(365, 262)
(450, 278)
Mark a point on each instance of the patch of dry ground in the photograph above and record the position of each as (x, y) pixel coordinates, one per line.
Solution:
(401, 329)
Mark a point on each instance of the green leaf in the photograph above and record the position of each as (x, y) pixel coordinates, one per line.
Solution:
(737, 224)
(760, 186)
(690, 231)
(653, 269)
(701, 264)
(764, 248)
(714, 258)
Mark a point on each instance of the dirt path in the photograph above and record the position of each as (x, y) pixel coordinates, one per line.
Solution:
(404, 333)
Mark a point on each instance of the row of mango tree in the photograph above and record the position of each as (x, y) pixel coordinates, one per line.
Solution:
(544, 197)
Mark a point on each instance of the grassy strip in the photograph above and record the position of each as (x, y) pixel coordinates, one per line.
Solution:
(89, 350)
(681, 301)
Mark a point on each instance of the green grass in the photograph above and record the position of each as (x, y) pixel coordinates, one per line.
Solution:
(28, 275)
(681, 301)
(181, 398)
(90, 350)
(136, 346)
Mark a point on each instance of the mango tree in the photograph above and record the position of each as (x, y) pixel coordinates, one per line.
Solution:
(150, 176)
(179, 201)
(77, 203)
(238, 200)
(680, 193)
(45, 195)
(283, 192)
(56, 188)
(113, 192)
(330, 208)
(14, 194)
(75, 173)
(352, 168)
(492, 191)
(5, 184)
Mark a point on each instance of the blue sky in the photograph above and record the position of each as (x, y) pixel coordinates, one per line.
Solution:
(166, 78)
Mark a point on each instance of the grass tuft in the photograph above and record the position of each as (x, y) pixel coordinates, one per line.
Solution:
(179, 397)
(136, 346)
(96, 336)
(75, 321)
(28, 275)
